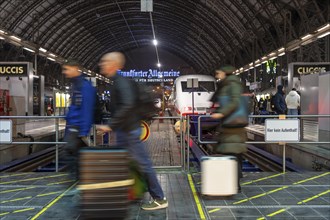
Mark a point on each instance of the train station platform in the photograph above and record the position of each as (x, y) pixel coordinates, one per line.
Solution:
(264, 195)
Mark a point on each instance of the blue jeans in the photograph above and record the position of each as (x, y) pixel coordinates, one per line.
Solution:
(292, 111)
(137, 149)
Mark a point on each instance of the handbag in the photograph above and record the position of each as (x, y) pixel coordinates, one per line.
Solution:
(239, 118)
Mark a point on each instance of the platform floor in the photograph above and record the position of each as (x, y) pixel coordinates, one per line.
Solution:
(264, 196)
(163, 146)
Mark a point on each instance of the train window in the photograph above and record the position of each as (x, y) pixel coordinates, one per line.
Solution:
(204, 86)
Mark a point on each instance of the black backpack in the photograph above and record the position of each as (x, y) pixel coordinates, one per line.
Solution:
(98, 110)
(145, 104)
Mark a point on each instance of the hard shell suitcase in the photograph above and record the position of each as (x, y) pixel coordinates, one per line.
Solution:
(104, 183)
(219, 175)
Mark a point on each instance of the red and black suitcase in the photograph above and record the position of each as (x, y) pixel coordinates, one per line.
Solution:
(104, 183)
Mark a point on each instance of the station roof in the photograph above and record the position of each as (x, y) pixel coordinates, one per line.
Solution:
(204, 33)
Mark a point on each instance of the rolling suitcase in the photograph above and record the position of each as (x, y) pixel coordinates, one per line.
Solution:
(104, 183)
(219, 175)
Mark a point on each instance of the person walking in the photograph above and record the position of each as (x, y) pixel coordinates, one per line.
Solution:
(231, 137)
(125, 122)
(79, 118)
(292, 101)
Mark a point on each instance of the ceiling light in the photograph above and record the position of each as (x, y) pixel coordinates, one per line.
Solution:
(265, 61)
(306, 36)
(281, 54)
(323, 35)
(264, 58)
(28, 49)
(159, 65)
(49, 58)
(257, 61)
(271, 54)
(295, 48)
(272, 58)
(52, 55)
(241, 69)
(1, 38)
(324, 27)
(15, 38)
(281, 49)
(257, 65)
(155, 42)
(3, 32)
(42, 50)
(250, 64)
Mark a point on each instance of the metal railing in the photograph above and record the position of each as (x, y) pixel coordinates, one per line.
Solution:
(93, 132)
(200, 141)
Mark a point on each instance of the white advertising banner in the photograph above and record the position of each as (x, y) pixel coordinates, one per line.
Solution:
(277, 130)
(6, 131)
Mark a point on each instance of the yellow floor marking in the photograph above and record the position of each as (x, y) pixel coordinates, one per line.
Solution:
(16, 174)
(47, 194)
(312, 178)
(4, 213)
(299, 203)
(264, 178)
(214, 210)
(57, 183)
(15, 190)
(314, 197)
(14, 200)
(36, 178)
(197, 201)
(23, 210)
(280, 188)
(53, 202)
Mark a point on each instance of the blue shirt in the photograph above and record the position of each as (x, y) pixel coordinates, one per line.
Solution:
(81, 110)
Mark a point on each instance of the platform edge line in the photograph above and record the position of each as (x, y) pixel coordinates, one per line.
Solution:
(52, 202)
(197, 201)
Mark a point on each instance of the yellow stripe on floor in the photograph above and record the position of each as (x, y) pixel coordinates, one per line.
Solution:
(4, 213)
(279, 189)
(23, 210)
(48, 194)
(264, 178)
(15, 200)
(15, 190)
(57, 183)
(53, 202)
(299, 203)
(214, 210)
(196, 198)
(30, 179)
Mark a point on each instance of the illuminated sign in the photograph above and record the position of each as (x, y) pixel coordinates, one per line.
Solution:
(311, 69)
(271, 67)
(152, 76)
(13, 69)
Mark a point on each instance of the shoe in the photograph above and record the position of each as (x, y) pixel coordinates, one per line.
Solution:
(156, 204)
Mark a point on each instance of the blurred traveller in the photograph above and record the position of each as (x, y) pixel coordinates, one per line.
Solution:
(125, 122)
(279, 101)
(231, 138)
(293, 102)
(79, 118)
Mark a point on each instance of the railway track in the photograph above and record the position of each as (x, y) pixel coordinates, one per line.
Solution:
(32, 162)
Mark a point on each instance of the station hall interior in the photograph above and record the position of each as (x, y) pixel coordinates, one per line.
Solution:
(173, 48)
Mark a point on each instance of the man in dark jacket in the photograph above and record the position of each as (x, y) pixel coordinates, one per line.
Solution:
(79, 118)
(126, 123)
(279, 101)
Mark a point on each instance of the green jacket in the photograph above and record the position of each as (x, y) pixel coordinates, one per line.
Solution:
(232, 87)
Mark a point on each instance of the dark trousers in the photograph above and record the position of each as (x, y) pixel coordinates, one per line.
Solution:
(71, 151)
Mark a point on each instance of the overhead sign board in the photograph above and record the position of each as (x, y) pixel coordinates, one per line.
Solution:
(277, 130)
(13, 69)
(254, 85)
(6, 131)
(301, 69)
(150, 76)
